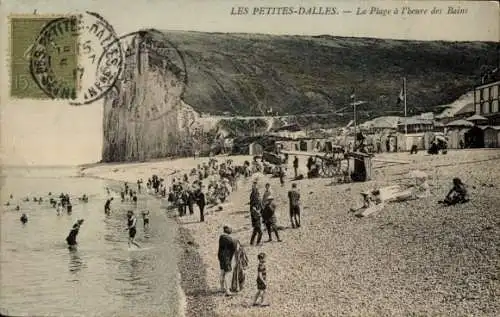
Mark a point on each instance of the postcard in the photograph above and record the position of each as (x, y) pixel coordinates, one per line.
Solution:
(249, 158)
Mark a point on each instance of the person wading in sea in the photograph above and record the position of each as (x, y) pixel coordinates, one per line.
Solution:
(132, 228)
(71, 238)
(107, 206)
(24, 219)
(145, 218)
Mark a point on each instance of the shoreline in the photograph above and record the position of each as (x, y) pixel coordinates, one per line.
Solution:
(196, 298)
(194, 285)
(188, 255)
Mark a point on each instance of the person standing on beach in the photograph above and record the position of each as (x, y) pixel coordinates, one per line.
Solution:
(227, 248)
(261, 280)
(294, 201)
(189, 195)
(132, 230)
(267, 193)
(199, 198)
(256, 225)
(255, 196)
(296, 166)
(269, 217)
(107, 206)
(139, 183)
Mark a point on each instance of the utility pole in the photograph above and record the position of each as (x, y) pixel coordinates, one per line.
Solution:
(404, 91)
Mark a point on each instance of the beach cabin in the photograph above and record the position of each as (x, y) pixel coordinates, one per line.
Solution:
(360, 166)
(306, 145)
(474, 138)
(415, 125)
(407, 141)
(492, 136)
(255, 149)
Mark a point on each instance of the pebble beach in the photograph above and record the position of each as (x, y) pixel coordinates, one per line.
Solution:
(412, 258)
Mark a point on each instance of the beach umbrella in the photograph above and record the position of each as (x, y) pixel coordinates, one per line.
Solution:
(440, 138)
(460, 123)
(476, 118)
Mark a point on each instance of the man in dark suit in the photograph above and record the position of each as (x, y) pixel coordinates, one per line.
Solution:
(227, 247)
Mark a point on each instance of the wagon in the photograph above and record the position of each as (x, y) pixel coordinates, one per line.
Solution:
(334, 163)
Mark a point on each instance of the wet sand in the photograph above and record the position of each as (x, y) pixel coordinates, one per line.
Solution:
(414, 257)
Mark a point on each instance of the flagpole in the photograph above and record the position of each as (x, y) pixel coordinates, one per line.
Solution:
(404, 89)
(354, 115)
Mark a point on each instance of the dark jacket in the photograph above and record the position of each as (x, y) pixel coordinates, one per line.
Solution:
(227, 247)
(255, 198)
(294, 198)
(199, 197)
(256, 218)
(269, 213)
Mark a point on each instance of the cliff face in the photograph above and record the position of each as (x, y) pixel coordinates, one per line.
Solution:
(145, 116)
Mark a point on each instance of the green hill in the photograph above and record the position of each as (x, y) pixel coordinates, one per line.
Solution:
(246, 74)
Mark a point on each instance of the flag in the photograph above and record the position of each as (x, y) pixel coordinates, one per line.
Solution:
(353, 95)
(401, 97)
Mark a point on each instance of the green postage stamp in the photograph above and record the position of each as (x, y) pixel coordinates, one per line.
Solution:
(75, 57)
(25, 32)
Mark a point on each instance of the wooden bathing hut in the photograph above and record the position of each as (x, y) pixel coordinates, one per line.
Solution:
(362, 166)
(255, 149)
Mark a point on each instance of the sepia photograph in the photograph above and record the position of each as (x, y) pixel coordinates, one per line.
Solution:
(249, 158)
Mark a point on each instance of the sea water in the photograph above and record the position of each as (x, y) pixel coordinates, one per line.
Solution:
(40, 276)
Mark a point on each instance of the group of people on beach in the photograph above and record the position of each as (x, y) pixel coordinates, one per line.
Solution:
(262, 213)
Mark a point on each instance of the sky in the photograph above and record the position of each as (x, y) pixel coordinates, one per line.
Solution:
(35, 132)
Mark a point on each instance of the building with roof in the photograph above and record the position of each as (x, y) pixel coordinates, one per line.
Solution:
(415, 125)
(486, 102)
(380, 124)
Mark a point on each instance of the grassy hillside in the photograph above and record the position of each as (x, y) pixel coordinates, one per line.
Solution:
(297, 74)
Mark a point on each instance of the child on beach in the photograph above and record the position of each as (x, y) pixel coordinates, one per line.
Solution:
(145, 218)
(261, 280)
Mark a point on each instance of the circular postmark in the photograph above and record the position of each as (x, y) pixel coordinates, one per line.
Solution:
(77, 58)
(154, 76)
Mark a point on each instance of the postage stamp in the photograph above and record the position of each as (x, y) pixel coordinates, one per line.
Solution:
(76, 57)
(24, 29)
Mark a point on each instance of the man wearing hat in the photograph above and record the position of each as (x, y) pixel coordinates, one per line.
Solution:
(269, 217)
(227, 247)
(199, 198)
(255, 196)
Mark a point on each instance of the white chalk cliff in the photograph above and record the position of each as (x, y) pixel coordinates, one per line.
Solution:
(144, 115)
